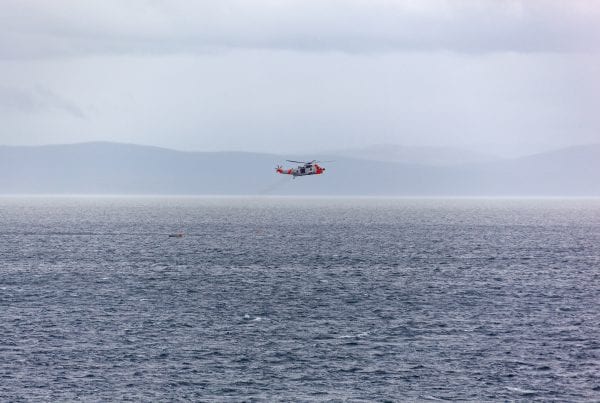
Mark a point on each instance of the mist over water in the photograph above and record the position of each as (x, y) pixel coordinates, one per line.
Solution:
(279, 298)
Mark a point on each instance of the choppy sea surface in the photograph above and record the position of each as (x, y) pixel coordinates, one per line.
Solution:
(299, 299)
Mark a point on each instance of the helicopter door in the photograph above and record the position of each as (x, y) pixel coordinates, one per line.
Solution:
(302, 171)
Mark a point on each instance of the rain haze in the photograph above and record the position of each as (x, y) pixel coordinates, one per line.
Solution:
(508, 78)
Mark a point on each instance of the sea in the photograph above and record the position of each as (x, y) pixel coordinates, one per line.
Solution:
(299, 299)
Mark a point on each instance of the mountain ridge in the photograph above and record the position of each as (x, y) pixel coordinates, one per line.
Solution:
(117, 168)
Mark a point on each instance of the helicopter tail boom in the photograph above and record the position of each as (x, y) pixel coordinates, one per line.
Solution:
(280, 170)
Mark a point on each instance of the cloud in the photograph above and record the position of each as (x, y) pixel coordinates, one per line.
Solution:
(40, 29)
(36, 100)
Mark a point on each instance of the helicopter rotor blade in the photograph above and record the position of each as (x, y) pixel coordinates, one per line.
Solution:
(298, 162)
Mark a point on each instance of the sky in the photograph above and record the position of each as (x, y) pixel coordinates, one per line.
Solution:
(498, 76)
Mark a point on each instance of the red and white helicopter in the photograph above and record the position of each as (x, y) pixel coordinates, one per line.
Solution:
(309, 168)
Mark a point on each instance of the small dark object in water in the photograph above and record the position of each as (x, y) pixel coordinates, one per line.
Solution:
(178, 235)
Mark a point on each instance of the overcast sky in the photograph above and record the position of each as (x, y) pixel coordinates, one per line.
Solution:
(300, 76)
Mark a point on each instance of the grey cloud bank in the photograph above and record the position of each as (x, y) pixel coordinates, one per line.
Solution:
(499, 77)
(36, 29)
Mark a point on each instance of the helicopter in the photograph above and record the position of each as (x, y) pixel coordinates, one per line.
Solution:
(309, 168)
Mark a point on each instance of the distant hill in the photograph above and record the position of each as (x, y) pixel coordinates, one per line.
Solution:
(111, 168)
(424, 155)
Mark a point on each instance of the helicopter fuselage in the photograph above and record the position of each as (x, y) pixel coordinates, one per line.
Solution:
(302, 170)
